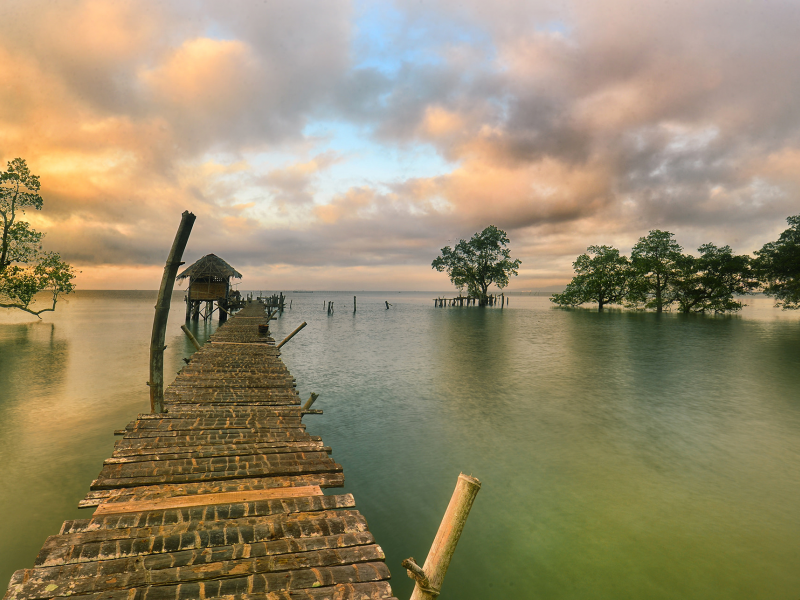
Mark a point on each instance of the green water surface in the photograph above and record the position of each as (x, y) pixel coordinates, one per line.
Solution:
(622, 454)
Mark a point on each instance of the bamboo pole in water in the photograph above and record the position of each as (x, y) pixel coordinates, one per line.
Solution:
(192, 339)
(291, 335)
(311, 399)
(429, 578)
(162, 312)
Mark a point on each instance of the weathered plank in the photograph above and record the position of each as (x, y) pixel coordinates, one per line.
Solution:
(106, 544)
(83, 579)
(207, 499)
(195, 558)
(239, 472)
(162, 454)
(323, 480)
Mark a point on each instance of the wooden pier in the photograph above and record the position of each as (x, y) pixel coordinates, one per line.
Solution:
(490, 300)
(220, 497)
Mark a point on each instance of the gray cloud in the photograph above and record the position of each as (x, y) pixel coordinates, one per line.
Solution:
(583, 119)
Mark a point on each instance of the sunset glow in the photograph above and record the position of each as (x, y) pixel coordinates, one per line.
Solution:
(340, 145)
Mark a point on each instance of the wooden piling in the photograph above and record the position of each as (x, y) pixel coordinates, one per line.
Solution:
(291, 335)
(192, 339)
(429, 581)
(162, 312)
(311, 399)
(354, 304)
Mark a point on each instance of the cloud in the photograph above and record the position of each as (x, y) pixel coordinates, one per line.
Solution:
(293, 185)
(567, 124)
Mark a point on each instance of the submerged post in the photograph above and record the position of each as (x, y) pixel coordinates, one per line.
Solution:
(354, 304)
(291, 335)
(192, 339)
(429, 578)
(162, 312)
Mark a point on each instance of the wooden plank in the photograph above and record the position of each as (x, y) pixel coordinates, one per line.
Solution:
(211, 512)
(323, 480)
(106, 544)
(162, 454)
(206, 499)
(342, 579)
(238, 473)
(78, 579)
(212, 463)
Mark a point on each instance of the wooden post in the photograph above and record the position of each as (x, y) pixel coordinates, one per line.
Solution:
(162, 312)
(387, 304)
(192, 339)
(430, 577)
(354, 304)
(311, 399)
(291, 335)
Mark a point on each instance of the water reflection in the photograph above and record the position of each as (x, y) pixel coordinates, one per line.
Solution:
(31, 356)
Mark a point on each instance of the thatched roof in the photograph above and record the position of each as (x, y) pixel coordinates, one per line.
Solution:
(210, 265)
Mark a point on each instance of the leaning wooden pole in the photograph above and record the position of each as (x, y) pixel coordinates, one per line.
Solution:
(291, 335)
(162, 312)
(429, 578)
(191, 337)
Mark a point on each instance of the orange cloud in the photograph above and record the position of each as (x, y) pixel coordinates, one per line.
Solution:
(440, 122)
(345, 205)
(204, 76)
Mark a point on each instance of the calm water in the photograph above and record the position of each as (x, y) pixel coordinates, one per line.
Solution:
(622, 455)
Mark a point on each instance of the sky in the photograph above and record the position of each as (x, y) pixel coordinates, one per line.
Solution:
(340, 145)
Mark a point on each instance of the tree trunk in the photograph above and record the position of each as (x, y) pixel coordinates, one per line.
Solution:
(659, 305)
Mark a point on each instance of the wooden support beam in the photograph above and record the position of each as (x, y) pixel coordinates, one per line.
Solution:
(291, 335)
(162, 312)
(430, 577)
(192, 339)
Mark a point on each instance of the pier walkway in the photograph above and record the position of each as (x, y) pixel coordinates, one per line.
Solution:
(218, 498)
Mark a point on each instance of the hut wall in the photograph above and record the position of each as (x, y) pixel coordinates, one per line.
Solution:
(208, 291)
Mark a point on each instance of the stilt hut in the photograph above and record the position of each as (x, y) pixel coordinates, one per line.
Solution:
(209, 282)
